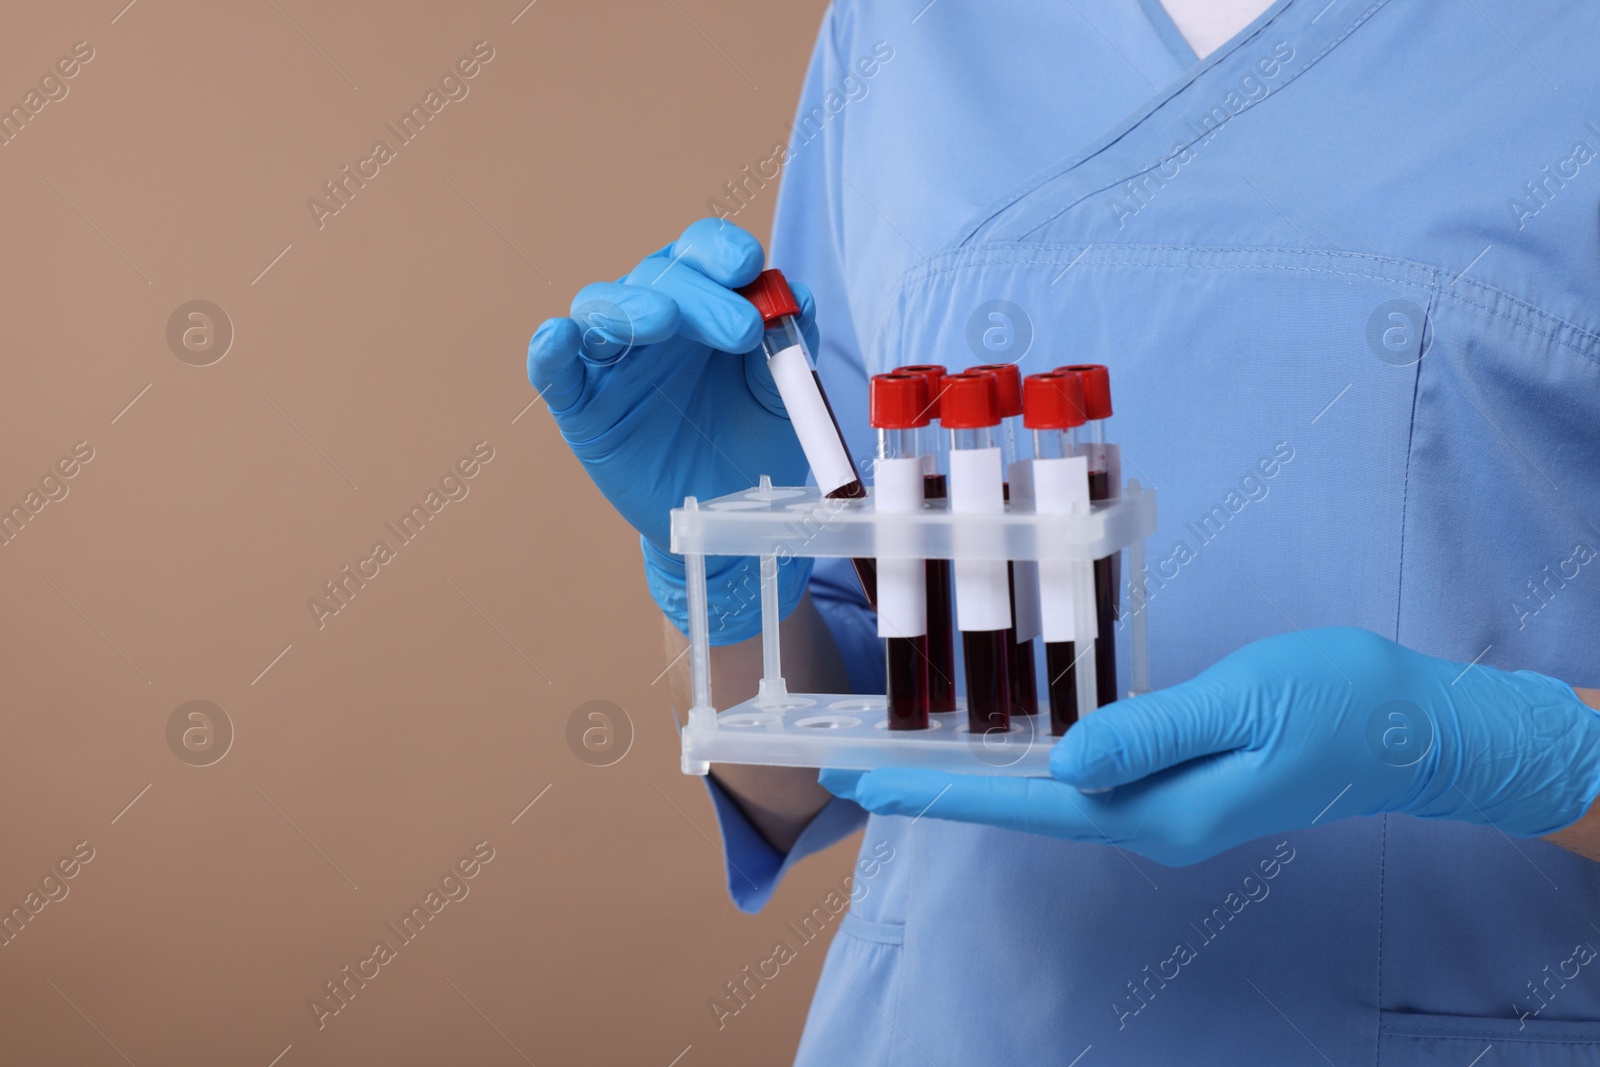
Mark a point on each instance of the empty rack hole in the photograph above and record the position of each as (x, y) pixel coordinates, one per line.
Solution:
(828, 722)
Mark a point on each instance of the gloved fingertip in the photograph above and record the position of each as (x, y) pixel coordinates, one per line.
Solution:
(900, 790)
(808, 315)
(745, 259)
(552, 335)
(808, 303)
(841, 783)
(552, 355)
(1090, 758)
(725, 321)
(723, 251)
(747, 331)
(609, 312)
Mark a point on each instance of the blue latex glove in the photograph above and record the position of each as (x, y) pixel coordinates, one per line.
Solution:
(659, 385)
(1287, 732)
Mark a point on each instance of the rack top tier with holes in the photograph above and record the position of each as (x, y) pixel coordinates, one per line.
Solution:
(784, 522)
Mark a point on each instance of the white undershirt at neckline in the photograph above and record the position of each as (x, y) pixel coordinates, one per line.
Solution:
(1208, 24)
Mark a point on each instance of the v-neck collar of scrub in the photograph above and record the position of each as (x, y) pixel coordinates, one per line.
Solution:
(1295, 13)
(1166, 29)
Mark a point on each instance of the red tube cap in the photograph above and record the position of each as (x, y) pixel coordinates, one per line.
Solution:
(771, 295)
(971, 401)
(1052, 401)
(1096, 388)
(934, 374)
(899, 401)
(1009, 379)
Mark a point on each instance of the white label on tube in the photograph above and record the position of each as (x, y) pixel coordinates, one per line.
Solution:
(902, 583)
(808, 412)
(983, 597)
(1025, 572)
(1088, 616)
(1060, 486)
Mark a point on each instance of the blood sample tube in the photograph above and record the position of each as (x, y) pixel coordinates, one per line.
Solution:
(970, 413)
(1019, 647)
(1053, 409)
(1102, 486)
(794, 369)
(941, 626)
(899, 408)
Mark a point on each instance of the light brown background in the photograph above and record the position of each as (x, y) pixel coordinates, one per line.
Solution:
(367, 359)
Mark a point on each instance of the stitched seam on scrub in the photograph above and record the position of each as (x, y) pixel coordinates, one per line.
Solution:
(1383, 856)
(919, 276)
(902, 296)
(1225, 266)
(1553, 332)
(1405, 484)
(1017, 255)
(1310, 64)
(868, 930)
(897, 960)
(1040, 181)
(1447, 1032)
(1003, 251)
(1010, 254)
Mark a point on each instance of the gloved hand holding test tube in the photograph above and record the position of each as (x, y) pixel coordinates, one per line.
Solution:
(644, 379)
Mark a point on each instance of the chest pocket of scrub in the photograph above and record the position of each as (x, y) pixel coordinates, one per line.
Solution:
(1267, 396)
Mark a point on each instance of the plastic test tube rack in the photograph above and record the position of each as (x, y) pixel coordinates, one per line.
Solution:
(782, 729)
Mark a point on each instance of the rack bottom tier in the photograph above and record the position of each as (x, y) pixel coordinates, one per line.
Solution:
(851, 733)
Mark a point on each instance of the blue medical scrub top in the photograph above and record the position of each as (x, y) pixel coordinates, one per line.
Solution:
(1344, 272)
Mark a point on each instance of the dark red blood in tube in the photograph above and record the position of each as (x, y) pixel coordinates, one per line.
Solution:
(988, 681)
(907, 659)
(1061, 678)
(941, 621)
(1105, 608)
(1024, 686)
